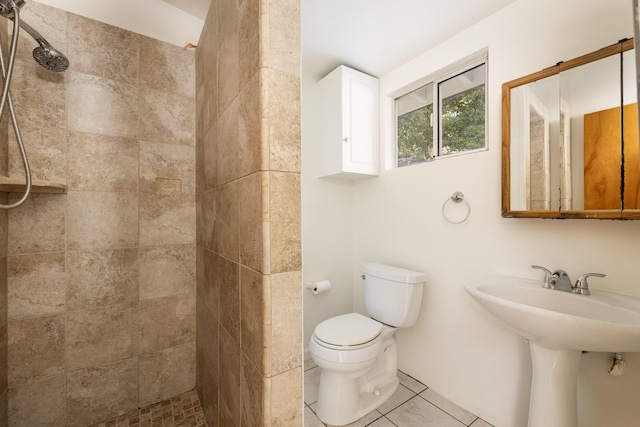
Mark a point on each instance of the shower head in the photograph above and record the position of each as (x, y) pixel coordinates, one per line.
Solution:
(45, 54)
(50, 58)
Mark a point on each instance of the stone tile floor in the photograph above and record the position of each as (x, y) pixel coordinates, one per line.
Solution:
(412, 405)
(180, 411)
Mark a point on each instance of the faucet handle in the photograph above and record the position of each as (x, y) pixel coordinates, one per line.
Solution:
(547, 276)
(582, 286)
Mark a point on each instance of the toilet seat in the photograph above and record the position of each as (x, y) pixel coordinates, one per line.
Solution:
(347, 332)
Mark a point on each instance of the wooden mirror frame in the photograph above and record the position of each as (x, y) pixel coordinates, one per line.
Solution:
(618, 48)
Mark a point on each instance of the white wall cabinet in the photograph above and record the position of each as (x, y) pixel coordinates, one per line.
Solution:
(350, 115)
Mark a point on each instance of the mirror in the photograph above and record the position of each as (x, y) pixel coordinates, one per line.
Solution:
(569, 150)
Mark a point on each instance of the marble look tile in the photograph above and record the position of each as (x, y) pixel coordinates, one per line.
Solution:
(167, 373)
(211, 281)
(206, 106)
(38, 403)
(206, 53)
(418, 411)
(4, 231)
(102, 163)
(371, 419)
(309, 364)
(167, 67)
(228, 60)
(167, 271)
(283, 114)
(4, 358)
(252, 390)
(227, 281)
(284, 36)
(39, 96)
(311, 384)
(449, 407)
(166, 161)
(284, 210)
(206, 342)
(101, 220)
(401, 395)
(227, 141)
(101, 335)
(209, 396)
(47, 153)
(102, 392)
(49, 21)
(226, 221)
(286, 328)
(209, 165)
(250, 221)
(103, 50)
(311, 419)
(37, 284)
(255, 292)
(35, 348)
(4, 406)
(209, 231)
(39, 224)
(167, 322)
(286, 398)
(480, 423)
(226, 418)
(100, 278)
(411, 383)
(250, 127)
(99, 105)
(382, 422)
(167, 117)
(230, 365)
(167, 187)
(167, 220)
(248, 39)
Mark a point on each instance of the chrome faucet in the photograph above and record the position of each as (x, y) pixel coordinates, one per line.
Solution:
(560, 281)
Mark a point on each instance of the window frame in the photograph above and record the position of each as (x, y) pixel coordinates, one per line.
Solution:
(435, 80)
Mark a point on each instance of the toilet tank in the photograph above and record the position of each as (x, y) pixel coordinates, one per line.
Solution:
(392, 295)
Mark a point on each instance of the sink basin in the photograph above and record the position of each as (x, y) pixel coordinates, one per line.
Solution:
(559, 326)
(602, 321)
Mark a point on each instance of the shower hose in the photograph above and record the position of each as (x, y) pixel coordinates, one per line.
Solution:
(5, 99)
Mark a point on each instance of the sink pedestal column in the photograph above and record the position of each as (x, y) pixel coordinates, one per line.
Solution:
(554, 396)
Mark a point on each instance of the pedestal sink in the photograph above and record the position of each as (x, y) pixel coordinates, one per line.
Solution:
(559, 326)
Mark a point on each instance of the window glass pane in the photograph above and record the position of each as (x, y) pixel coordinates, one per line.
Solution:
(462, 99)
(414, 113)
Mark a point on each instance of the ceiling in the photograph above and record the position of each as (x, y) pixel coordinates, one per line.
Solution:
(374, 36)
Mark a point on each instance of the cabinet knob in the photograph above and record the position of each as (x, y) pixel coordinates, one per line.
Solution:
(346, 139)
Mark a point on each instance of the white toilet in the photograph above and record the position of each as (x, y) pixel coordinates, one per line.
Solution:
(357, 354)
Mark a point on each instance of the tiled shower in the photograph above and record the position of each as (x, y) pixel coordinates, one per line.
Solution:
(101, 281)
(249, 351)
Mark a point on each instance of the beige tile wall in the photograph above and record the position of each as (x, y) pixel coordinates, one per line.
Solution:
(101, 281)
(248, 343)
(4, 404)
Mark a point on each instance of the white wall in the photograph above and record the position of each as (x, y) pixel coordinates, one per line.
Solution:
(153, 18)
(456, 348)
(327, 228)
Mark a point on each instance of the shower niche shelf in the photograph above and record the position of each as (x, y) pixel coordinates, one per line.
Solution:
(17, 185)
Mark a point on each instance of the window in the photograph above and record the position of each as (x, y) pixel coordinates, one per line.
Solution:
(456, 123)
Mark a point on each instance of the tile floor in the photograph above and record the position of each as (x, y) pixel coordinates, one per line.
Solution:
(412, 405)
(180, 411)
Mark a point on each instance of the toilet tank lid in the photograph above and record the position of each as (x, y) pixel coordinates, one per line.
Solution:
(393, 273)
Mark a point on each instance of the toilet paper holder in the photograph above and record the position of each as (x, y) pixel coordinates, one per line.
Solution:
(319, 286)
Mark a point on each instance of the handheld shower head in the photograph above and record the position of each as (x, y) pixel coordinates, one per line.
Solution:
(45, 54)
(50, 58)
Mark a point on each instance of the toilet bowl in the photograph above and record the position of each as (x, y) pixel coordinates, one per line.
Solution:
(357, 354)
(357, 375)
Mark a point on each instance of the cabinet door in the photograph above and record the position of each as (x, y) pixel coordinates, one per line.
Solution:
(359, 123)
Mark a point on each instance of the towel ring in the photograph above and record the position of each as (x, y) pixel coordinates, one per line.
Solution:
(457, 197)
